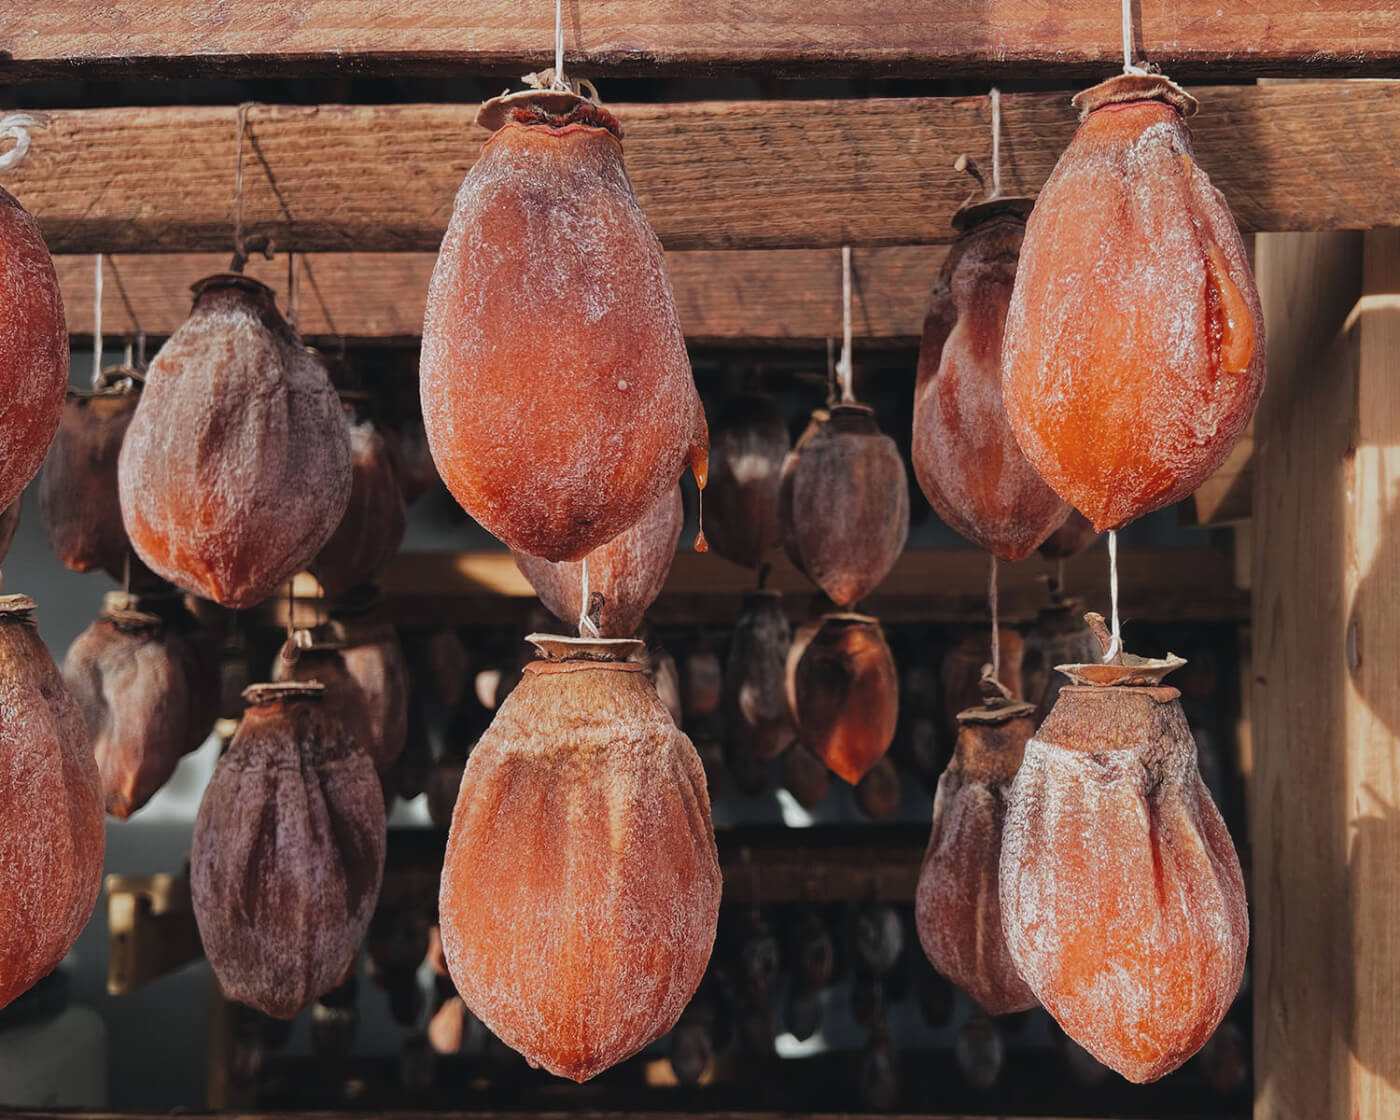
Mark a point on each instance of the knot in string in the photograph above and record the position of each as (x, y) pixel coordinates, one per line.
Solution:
(16, 126)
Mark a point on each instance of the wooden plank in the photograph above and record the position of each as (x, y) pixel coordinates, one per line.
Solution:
(1227, 495)
(778, 296)
(1326, 712)
(711, 175)
(987, 38)
(945, 585)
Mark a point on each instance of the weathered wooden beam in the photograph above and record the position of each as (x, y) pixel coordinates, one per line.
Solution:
(778, 296)
(1326, 710)
(946, 585)
(981, 38)
(150, 923)
(711, 175)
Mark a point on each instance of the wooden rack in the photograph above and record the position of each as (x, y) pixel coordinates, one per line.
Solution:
(750, 198)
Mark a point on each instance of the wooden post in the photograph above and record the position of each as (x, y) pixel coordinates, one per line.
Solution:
(1325, 825)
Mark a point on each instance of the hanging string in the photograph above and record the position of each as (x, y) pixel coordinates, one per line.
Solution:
(141, 349)
(1116, 646)
(559, 81)
(833, 389)
(996, 143)
(843, 367)
(16, 126)
(240, 251)
(996, 622)
(97, 321)
(1128, 66)
(587, 628)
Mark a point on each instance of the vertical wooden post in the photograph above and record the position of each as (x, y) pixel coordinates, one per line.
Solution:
(1325, 798)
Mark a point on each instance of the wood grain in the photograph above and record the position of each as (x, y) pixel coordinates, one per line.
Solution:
(983, 38)
(1325, 796)
(779, 296)
(947, 585)
(711, 175)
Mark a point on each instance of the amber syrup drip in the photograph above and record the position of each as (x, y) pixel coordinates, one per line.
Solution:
(700, 467)
(1233, 325)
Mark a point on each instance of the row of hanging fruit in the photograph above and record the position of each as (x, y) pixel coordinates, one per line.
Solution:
(1101, 355)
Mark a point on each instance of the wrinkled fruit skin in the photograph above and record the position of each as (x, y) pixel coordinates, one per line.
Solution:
(843, 692)
(957, 907)
(370, 533)
(1135, 340)
(747, 448)
(236, 467)
(52, 837)
(287, 856)
(557, 394)
(149, 696)
(377, 665)
(844, 503)
(629, 571)
(965, 456)
(756, 718)
(78, 487)
(1121, 894)
(33, 349)
(580, 893)
(344, 694)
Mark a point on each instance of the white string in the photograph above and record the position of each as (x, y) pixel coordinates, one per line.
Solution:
(559, 82)
(1128, 66)
(587, 628)
(16, 126)
(97, 321)
(996, 142)
(996, 624)
(843, 367)
(1115, 647)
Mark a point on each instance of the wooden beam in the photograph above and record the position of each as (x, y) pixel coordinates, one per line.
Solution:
(150, 924)
(778, 296)
(965, 38)
(945, 585)
(1326, 709)
(711, 175)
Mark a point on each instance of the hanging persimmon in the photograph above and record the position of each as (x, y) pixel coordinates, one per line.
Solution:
(747, 448)
(235, 469)
(33, 349)
(965, 455)
(288, 851)
(1122, 898)
(1134, 351)
(78, 486)
(375, 519)
(843, 692)
(757, 722)
(557, 393)
(629, 571)
(956, 908)
(52, 834)
(843, 502)
(580, 892)
(148, 692)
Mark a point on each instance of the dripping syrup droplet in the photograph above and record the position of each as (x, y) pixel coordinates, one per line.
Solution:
(1233, 325)
(701, 544)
